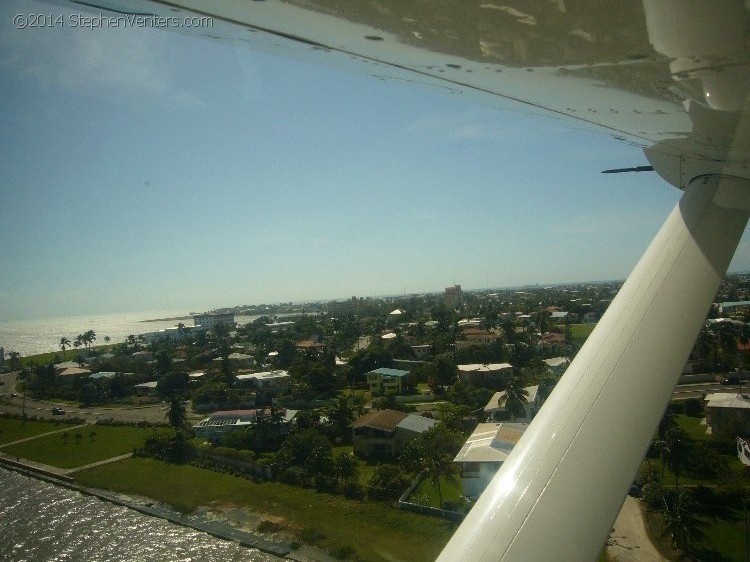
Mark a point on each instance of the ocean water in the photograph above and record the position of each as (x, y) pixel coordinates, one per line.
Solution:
(43, 522)
(42, 335)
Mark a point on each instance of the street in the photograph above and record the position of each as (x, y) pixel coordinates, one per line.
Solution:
(154, 413)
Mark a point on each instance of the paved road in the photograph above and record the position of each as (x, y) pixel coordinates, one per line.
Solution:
(629, 541)
(156, 413)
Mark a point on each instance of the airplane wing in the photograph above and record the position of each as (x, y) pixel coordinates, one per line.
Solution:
(670, 76)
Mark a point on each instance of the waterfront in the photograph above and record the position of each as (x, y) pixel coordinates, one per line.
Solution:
(41, 521)
(42, 335)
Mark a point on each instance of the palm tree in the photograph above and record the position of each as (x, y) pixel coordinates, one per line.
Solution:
(516, 396)
(177, 414)
(88, 338)
(64, 343)
(674, 449)
(680, 521)
(439, 467)
(346, 467)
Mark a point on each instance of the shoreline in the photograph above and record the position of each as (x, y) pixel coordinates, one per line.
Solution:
(170, 319)
(206, 520)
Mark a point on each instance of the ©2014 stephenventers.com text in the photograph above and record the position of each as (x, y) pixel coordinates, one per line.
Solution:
(105, 21)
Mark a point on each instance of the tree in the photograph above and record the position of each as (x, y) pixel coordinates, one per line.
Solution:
(64, 343)
(177, 414)
(680, 521)
(516, 396)
(346, 468)
(15, 360)
(341, 412)
(440, 467)
(675, 452)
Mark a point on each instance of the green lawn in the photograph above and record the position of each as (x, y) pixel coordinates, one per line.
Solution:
(13, 430)
(692, 427)
(427, 493)
(375, 530)
(579, 332)
(57, 450)
(726, 535)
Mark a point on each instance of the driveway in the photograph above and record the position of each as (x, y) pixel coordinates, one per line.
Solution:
(629, 540)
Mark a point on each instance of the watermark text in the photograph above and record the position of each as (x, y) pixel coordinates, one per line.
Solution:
(105, 21)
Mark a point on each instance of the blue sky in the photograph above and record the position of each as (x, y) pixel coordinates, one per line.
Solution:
(144, 169)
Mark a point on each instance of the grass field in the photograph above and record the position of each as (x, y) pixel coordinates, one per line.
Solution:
(580, 332)
(375, 530)
(13, 429)
(428, 495)
(70, 452)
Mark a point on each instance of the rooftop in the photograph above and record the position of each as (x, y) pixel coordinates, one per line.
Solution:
(491, 442)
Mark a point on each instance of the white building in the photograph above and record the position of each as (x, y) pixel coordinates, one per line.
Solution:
(210, 320)
(484, 453)
(485, 374)
(269, 380)
(496, 409)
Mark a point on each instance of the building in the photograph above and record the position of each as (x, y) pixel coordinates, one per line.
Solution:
(496, 409)
(145, 388)
(175, 333)
(219, 423)
(384, 433)
(557, 365)
(484, 453)
(552, 338)
(421, 351)
(275, 381)
(210, 320)
(475, 336)
(728, 412)
(343, 308)
(453, 297)
(386, 380)
(485, 374)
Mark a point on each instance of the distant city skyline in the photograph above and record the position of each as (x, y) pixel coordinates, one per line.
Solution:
(145, 169)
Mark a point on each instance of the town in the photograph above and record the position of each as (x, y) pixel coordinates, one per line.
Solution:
(412, 402)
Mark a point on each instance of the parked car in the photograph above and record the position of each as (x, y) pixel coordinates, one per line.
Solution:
(57, 411)
(731, 381)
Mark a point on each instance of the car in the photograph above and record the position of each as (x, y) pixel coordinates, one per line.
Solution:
(13, 394)
(731, 381)
(57, 411)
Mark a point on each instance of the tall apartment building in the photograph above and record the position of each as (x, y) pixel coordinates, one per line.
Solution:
(453, 297)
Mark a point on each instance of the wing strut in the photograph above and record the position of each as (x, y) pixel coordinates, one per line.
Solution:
(559, 492)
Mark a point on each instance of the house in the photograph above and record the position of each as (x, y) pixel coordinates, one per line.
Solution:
(386, 380)
(728, 412)
(557, 365)
(145, 388)
(421, 351)
(72, 373)
(384, 433)
(496, 408)
(485, 374)
(276, 381)
(311, 344)
(103, 375)
(484, 453)
(219, 423)
(553, 338)
(475, 336)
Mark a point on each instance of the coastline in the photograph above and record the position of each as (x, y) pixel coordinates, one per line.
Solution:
(228, 524)
(170, 319)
